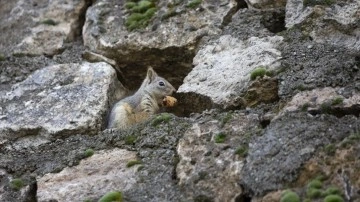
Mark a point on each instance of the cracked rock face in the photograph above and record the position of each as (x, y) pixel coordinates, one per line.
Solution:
(335, 23)
(211, 169)
(222, 68)
(58, 100)
(45, 25)
(167, 43)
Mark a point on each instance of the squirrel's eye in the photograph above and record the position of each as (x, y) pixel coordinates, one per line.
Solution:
(161, 83)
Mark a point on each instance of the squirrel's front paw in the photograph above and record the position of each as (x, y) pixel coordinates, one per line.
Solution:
(169, 101)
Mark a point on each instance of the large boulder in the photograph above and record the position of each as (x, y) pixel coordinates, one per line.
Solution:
(45, 25)
(57, 101)
(222, 68)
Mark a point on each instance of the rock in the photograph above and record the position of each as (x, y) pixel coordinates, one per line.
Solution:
(222, 68)
(266, 4)
(326, 100)
(44, 28)
(288, 142)
(264, 90)
(57, 101)
(168, 41)
(317, 67)
(209, 168)
(329, 22)
(95, 176)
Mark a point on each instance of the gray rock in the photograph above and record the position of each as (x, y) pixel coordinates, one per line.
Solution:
(223, 67)
(317, 67)
(333, 23)
(289, 141)
(103, 172)
(168, 43)
(210, 168)
(266, 4)
(44, 28)
(57, 101)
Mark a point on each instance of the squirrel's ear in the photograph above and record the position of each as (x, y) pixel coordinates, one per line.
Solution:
(151, 74)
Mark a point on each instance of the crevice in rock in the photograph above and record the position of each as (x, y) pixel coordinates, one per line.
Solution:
(242, 198)
(274, 21)
(228, 17)
(82, 17)
(337, 111)
(191, 103)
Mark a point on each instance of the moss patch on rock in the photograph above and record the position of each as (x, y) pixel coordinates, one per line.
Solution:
(141, 13)
(112, 196)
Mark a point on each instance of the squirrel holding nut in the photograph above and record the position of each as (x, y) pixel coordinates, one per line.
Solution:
(153, 94)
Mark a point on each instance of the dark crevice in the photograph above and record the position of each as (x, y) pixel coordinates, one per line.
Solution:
(337, 111)
(191, 103)
(82, 18)
(228, 17)
(274, 21)
(243, 198)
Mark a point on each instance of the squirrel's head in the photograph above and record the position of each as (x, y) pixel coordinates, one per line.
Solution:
(157, 86)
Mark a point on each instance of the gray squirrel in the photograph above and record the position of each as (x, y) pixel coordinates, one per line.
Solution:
(153, 93)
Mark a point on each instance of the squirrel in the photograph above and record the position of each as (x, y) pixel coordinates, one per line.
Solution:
(147, 101)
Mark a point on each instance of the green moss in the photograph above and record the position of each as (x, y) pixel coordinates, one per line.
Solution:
(325, 108)
(337, 100)
(140, 14)
(333, 198)
(242, 151)
(142, 6)
(129, 140)
(318, 2)
(170, 13)
(290, 196)
(332, 191)
(313, 193)
(2, 57)
(301, 87)
(130, 5)
(16, 183)
(162, 118)
(132, 163)
(315, 184)
(113, 196)
(305, 107)
(225, 119)
(330, 149)
(307, 200)
(193, 3)
(89, 152)
(258, 72)
(220, 138)
(49, 22)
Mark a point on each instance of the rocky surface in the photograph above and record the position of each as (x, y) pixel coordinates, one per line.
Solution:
(331, 22)
(95, 176)
(222, 68)
(41, 27)
(62, 99)
(221, 146)
(269, 103)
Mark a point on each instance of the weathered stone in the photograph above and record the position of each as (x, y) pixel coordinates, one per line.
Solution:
(288, 142)
(45, 25)
(336, 100)
(264, 90)
(307, 65)
(58, 100)
(266, 4)
(222, 68)
(168, 42)
(210, 168)
(330, 22)
(95, 176)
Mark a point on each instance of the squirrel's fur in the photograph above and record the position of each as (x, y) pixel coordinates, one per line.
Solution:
(144, 103)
